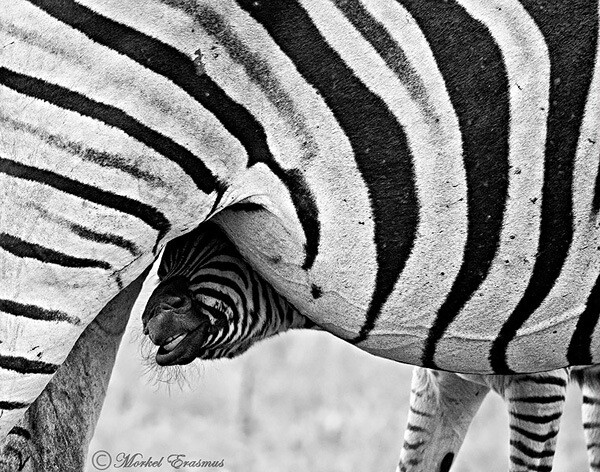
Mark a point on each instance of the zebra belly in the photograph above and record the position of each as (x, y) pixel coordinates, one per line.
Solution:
(472, 163)
(331, 302)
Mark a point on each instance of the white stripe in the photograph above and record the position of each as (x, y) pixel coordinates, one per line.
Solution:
(107, 77)
(341, 195)
(435, 145)
(527, 65)
(172, 192)
(8, 418)
(79, 292)
(147, 97)
(543, 340)
(38, 229)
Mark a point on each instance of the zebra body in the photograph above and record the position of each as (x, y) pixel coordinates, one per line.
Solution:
(425, 171)
(443, 404)
(210, 304)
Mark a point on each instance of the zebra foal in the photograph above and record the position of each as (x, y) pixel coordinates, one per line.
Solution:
(210, 303)
(443, 404)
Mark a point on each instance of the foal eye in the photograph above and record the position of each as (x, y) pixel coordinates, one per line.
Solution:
(177, 302)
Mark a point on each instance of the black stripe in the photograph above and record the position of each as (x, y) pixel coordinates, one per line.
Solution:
(21, 248)
(447, 462)
(476, 80)
(181, 70)
(273, 321)
(532, 435)
(579, 351)
(411, 446)
(188, 253)
(420, 413)
(558, 381)
(306, 209)
(220, 281)
(593, 445)
(378, 141)
(84, 152)
(4, 405)
(530, 467)
(213, 311)
(261, 322)
(538, 399)
(26, 366)
(228, 266)
(389, 50)
(90, 235)
(79, 103)
(570, 30)
(105, 238)
(415, 428)
(596, 200)
(538, 419)
(591, 424)
(587, 400)
(282, 318)
(18, 431)
(260, 72)
(523, 448)
(149, 215)
(35, 312)
(223, 298)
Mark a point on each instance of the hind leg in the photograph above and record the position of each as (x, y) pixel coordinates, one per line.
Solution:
(535, 403)
(588, 379)
(56, 430)
(442, 406)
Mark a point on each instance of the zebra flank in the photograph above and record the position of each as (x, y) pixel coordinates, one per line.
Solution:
(210, 303)
(419, 178)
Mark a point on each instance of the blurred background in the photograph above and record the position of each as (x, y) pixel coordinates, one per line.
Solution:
(300, 402)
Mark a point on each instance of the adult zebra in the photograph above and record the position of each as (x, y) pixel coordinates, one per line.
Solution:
(418, 164)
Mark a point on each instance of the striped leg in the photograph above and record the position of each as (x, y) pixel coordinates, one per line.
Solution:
(57, 428)
(535, 404)
(442, 406)
(588, 379)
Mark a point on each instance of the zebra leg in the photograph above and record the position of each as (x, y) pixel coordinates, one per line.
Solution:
(588, 379)
(442, 406)
(535, 404)
(56, 430)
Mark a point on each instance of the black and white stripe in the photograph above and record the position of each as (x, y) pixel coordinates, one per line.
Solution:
(443, 404)
(427, 172)
(223, 290)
